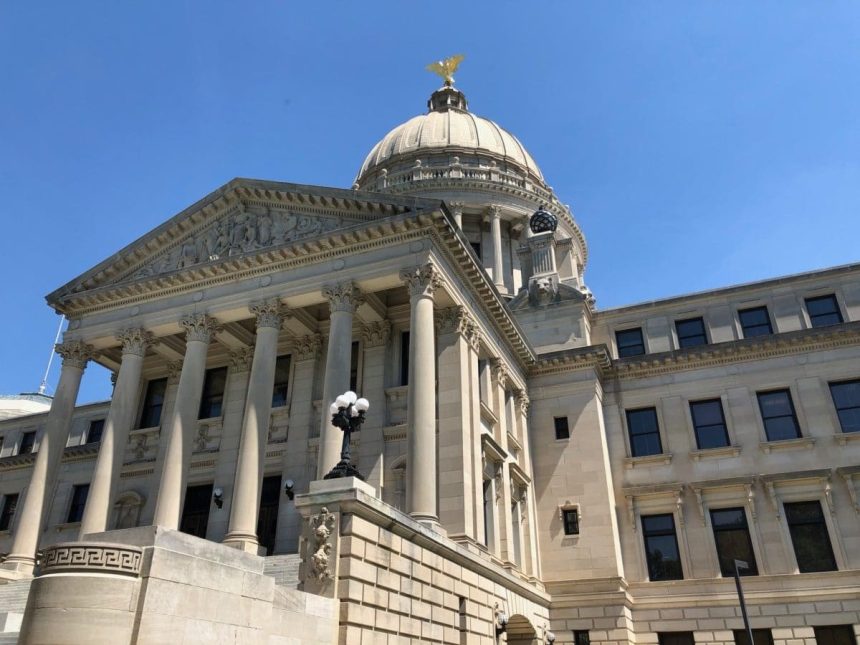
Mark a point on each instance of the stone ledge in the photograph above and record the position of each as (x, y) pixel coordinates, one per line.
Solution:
(715, 453)
(663, 459)
(800, 443)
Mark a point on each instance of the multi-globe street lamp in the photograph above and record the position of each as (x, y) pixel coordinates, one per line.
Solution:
(347, 413)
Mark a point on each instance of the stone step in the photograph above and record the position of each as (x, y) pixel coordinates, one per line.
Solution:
(284, 569)
(13, 595)
(9, 638)
(10, 621)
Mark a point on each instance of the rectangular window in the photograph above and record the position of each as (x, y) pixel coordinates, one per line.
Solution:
(675, 638)
(709, 424)
(195, 510)
(661, 547)
(630, 342)
(28, 440)
(94, 432)
(10, 503)
(691, 332)
(487, 490)
(212, 399)
(755, 321)
(823, 311)
(571, 521)
(732, 537)
(476, 247)
(282, 381)
(760, 637)
(777, 414)
(153, 403)
(562, 431)
(404, 358)
(809, 536)
(835, 635)
(353, 366)
(846, 398)
(79, 501)
(644, 432)
(581, 637)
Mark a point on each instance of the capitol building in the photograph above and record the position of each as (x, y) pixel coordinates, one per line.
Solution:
(532, 468)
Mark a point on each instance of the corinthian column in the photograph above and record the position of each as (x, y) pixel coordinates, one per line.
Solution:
(343, 300)
(421, 484)
(23, 555)
(242, 531)
(183, 420)
(115, 435)
(494, 214)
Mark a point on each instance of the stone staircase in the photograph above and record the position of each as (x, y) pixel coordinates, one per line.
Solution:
(284, 569)
(13, 599)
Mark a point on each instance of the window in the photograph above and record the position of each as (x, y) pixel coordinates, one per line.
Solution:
(488, 517)
(404, 358)
(28, 440)
(732, 537)
(846, 398)
(212, 399)
(661, 547)
(10, 503)
(630, 342)
(835, 635)
(755, 321)
(760, 637)
(691, 332)
(195, 510)
(809, 536)
(777, 413)
(282, 381)
(581, 637)
(476, 247)
(153, 403)
(561, 429)
(353, 366)
(94, 432)
(709, 424)
(675, 638)
(571, 521)
(79, 501)
(644, 432)
(823, 311)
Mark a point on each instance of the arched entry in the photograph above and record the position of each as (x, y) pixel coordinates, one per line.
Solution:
(520, 631)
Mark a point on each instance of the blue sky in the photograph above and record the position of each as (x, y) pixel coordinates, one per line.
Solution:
(700, 144)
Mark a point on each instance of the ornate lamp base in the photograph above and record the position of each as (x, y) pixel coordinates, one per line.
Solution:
(344, 469)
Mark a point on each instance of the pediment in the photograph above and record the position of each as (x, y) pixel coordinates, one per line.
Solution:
(245, 218)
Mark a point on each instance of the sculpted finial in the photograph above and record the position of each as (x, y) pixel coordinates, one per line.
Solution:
(446, 68)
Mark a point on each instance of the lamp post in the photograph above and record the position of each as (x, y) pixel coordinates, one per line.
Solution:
(347, 413)
(740, 564)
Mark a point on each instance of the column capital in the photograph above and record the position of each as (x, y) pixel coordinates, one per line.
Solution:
(269, 313)
(343, 296)
(456, 207)
(523, 401)
(135, 341)
(493, 211)
(240, 359)
(307, 347)
(174, 369)
(455, 320)
(199, 327)
(75, 353)
(376, 334)
(500, 371)
(422, 280)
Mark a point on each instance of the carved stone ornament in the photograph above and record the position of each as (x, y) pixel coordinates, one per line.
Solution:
(543, 290)
(500, 371)
(454, 320)
(135, 341)
(322, 527)
(344, 296)
(422, 281)
(174, 369)
(244, 230)
(75, 353)
(240, 359)
(307, 347)
(376, 334)
(269, 313)
(199, 327)
(120, 559)
(523, 402)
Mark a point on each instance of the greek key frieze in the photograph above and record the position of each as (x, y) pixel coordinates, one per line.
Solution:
(115, 558)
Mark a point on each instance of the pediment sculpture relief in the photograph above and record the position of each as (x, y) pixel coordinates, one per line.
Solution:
(243, 231)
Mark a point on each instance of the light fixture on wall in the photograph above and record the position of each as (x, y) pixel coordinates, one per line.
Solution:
(218, 496)
(550, 637)
(288, 489)
(501, 621)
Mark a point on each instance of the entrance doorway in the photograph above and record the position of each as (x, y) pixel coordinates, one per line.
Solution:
(195, 511)
(267, 524)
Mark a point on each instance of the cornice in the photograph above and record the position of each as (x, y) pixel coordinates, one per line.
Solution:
(594, 357)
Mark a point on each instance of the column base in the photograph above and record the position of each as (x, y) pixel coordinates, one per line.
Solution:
(20, 564)
(430, 521)
(244, 542)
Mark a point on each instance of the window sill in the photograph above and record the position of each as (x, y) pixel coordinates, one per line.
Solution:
(715, 453)
(663, 459)
(801, 443)
(844, 438)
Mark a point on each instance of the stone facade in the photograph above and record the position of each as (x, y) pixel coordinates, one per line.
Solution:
(508, 465)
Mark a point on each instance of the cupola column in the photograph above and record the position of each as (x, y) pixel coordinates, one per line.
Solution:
(344, 299)
(248, 484)
(115, 436)
(494, 215)
(23, 555)
(421, 485)
(183, 420)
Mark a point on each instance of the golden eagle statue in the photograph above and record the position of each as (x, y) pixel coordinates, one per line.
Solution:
(446, 68)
